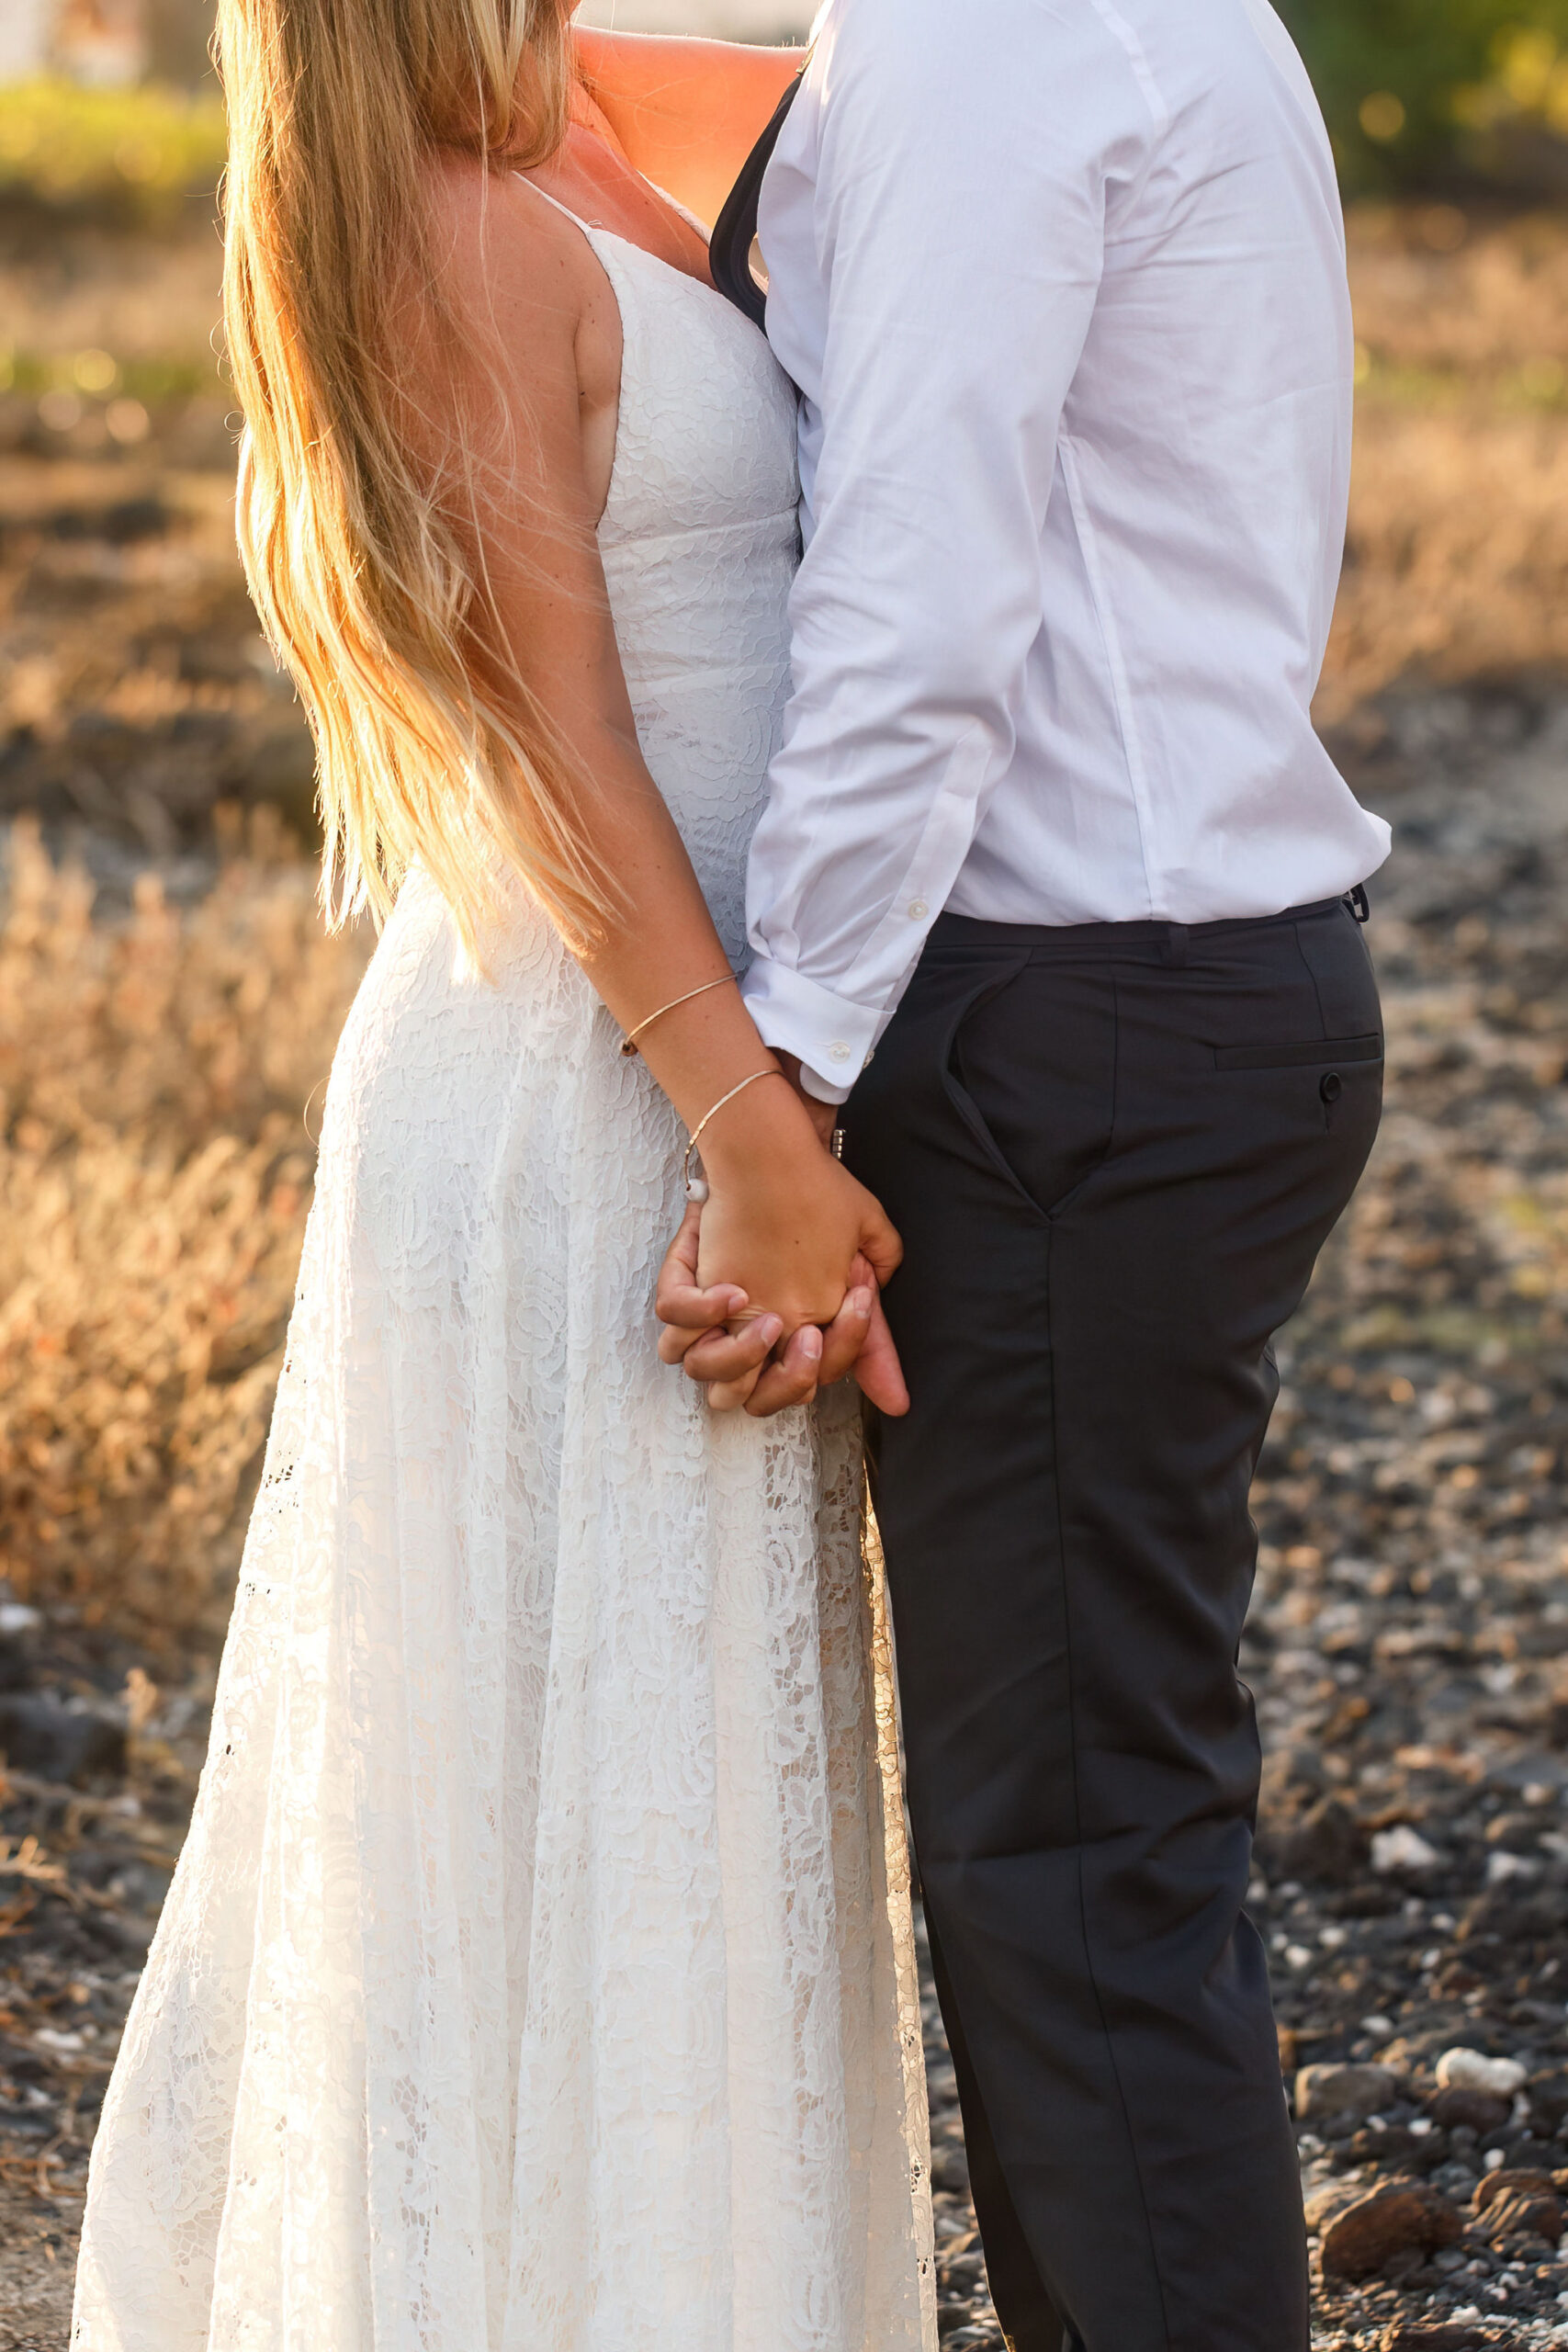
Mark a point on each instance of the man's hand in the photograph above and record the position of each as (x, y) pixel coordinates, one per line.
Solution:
(824, 1116)
(721, 1341)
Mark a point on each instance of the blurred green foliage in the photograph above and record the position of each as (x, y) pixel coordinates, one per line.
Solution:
(134, 154)
(1416, 90)
(101, 375)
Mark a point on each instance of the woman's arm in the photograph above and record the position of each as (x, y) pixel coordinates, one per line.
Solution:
(687, 113)
(538, 353)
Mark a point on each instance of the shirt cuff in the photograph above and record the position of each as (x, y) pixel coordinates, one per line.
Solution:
(830, 1037)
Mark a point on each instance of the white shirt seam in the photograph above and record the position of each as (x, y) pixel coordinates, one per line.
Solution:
(1127, 41)
(1110, 637)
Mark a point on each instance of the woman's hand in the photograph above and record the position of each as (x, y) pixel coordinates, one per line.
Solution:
(773, 1230)
(784, 1220)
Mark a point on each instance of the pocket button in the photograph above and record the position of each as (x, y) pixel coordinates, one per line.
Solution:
(1331, 1086)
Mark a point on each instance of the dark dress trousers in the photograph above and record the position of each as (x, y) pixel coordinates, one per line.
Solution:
(1113, 1153)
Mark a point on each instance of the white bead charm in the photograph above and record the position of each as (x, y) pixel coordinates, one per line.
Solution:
(697, 1185)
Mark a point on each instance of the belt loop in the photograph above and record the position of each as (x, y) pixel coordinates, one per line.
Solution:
(1174, 945)
(1361, 906)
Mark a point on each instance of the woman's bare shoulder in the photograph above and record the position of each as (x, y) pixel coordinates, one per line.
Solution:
(493, 236)
(511, 272)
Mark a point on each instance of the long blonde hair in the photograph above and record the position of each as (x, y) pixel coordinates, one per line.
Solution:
(366, 581)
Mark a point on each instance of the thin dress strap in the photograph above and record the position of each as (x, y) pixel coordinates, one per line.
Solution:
(589, 230)
(586, 226)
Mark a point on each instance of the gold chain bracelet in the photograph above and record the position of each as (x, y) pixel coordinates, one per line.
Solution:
(697, 1186)
(630, 1044)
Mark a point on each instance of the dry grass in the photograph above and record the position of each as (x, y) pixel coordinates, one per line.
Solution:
(1457, 557)
(1458, 560)
(154, 1178)
(1473, 298)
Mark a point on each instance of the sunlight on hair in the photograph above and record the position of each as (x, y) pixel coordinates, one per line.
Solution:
(367, 583)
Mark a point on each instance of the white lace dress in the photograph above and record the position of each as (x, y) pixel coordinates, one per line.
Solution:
(537, 1976)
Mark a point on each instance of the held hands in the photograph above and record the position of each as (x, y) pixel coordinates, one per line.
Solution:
(735, 1352)
(784, 1224)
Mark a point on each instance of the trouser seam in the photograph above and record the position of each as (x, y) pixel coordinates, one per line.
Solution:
(944, 1977)
(1073, 1731)
(1306, 966)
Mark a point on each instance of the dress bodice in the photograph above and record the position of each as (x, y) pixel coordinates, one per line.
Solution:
(699, 542)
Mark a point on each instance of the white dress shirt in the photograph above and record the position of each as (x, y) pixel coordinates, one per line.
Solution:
(1062, 283)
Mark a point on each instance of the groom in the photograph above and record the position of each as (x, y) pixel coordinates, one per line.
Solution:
(1050, 835)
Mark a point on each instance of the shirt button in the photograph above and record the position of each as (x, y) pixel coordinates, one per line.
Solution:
(917, 911)
(837, 1051)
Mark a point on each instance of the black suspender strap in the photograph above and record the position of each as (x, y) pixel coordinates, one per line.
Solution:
(735, 232)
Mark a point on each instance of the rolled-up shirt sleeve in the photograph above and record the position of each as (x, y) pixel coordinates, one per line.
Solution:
(961, 202)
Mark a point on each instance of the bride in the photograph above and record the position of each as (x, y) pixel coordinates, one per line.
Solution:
(530, 1982)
